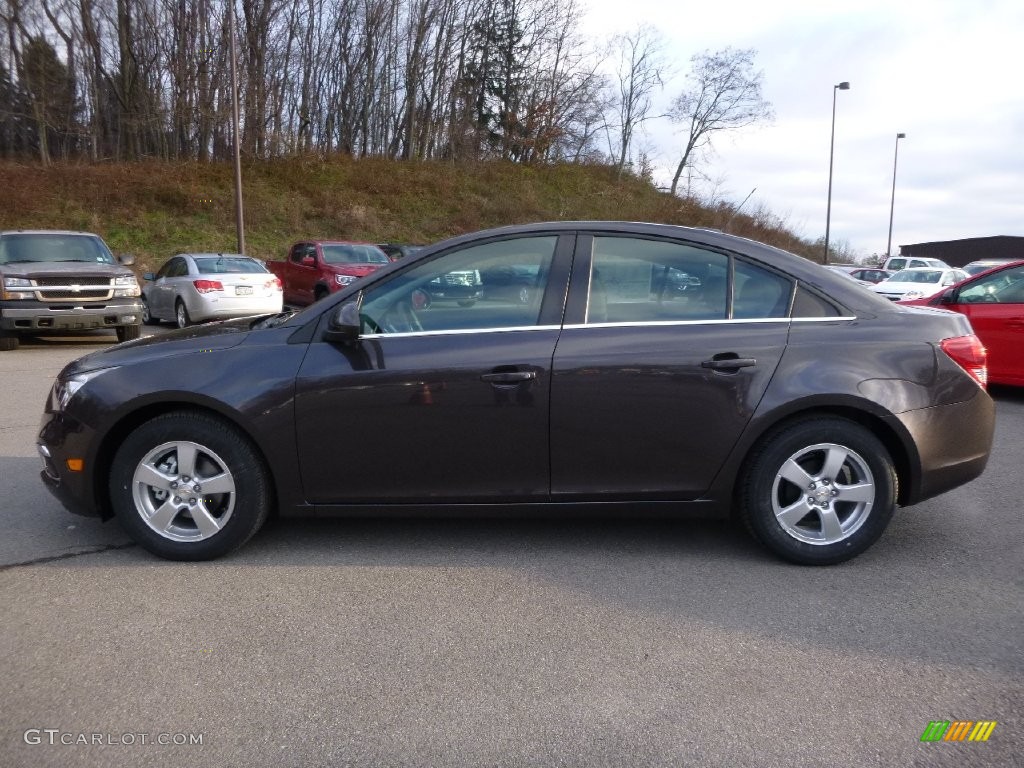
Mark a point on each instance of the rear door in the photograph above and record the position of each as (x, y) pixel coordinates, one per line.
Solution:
(653, 385)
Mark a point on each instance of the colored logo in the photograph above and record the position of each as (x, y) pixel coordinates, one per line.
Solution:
(958, 730)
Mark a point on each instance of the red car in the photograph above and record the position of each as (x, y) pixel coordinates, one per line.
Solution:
(316, 268)
(994, 303)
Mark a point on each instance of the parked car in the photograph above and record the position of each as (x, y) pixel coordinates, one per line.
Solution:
(806, 404)
(917, 282)
(983, 265)
(317, 268)
(848, 275)
(396, 251)
(994, 303)
(896, 263)
(54, 282)
(871, 274)
(195, 287)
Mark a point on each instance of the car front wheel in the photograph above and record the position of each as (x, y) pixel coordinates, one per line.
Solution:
(128, 332)
(189, 486)
(818, 491)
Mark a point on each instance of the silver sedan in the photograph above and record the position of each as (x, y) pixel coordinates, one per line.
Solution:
(192, 287)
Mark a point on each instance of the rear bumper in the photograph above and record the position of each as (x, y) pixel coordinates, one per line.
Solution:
(954, 442)
(228, 307)
(36, 316)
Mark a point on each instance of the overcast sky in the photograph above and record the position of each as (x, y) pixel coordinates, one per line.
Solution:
(948, 73)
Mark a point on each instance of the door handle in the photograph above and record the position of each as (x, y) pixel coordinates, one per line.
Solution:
(728, 363)
(1016, 323)
(508, 377)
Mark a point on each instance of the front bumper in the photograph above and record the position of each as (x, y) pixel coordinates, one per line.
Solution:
(40, 317)
(62, 437)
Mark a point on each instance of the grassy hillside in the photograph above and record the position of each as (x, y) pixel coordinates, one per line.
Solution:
(154, 210)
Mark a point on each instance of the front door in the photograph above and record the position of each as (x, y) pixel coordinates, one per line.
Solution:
(445, 399)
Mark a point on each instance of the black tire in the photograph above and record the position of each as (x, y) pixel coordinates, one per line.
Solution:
(180, 522)
(8, 341)
(320, 293)
(128, 332)
(147, 317)
(181, 318)
(834, 512)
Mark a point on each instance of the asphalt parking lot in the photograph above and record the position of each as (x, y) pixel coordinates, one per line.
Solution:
(503, 642)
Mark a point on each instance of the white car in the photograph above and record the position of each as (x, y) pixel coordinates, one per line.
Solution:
(192, 287)
(918, 282)
(896, 263)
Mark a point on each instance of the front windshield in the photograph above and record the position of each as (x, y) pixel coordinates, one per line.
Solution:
(917, 276)
(346, 253)
(46, 247)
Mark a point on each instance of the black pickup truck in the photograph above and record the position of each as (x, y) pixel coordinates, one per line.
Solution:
(52, 282)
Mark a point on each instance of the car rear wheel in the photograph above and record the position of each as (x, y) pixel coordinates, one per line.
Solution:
(818, 491)
(181, 314)
(128, 332)
(189, 486)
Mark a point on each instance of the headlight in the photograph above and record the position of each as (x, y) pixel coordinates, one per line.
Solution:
(126, 287)
(344, 279)
(17, 282)
(65, 389)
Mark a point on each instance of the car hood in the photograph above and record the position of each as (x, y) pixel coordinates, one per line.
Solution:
(888, 287)
(185, 341)
(356, 269)
(58, 268)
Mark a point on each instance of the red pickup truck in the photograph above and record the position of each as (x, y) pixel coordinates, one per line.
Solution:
(315, 268)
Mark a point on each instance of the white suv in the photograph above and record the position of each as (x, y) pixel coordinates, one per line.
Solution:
(896, 263)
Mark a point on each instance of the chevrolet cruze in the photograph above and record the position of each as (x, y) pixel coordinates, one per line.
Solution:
(771, 388)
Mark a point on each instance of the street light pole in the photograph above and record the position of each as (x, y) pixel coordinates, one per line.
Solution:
(892, 202)
(843, 86)
(239, 220)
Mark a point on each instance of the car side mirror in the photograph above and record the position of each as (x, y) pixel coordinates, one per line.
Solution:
(308, 261)
(150, 276)
(126, 259)
(344, 325)
(948, 296)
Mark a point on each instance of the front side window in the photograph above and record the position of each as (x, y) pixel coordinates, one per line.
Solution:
(1006, 287)
(491, 286)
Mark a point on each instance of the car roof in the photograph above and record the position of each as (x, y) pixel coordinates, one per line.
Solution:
(46, 232)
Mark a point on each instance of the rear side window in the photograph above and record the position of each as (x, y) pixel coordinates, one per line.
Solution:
(806, 304)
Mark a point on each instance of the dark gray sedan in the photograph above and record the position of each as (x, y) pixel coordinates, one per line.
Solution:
(771, 388)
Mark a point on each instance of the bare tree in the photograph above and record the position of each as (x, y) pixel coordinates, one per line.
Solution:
(724, 95)
(640, 72)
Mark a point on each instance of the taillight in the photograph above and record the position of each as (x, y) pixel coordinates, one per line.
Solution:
(274, 284)
(206, 286)
(969, 353)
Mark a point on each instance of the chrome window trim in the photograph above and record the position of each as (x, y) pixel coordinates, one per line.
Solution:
(667, 323)
(844, 318)
(460, 331)
(575, 326)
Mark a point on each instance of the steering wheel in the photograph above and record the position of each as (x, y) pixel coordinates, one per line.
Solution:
(400, 318)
